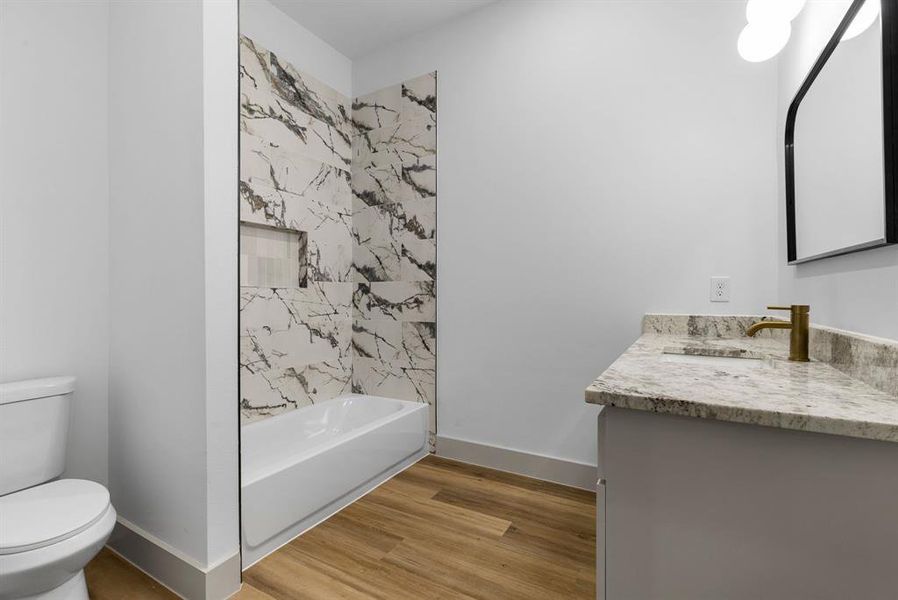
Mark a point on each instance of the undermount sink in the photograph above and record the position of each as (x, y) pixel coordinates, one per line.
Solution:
(714, 361)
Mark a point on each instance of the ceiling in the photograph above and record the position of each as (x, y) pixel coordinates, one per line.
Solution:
(356, 27)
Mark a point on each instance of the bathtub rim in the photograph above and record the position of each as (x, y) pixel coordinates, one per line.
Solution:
(249, 476)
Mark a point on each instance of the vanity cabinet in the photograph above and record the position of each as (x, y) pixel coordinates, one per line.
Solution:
(691, 508)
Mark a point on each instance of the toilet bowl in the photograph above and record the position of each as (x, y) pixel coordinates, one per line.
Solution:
(49, 528)
(48, 533)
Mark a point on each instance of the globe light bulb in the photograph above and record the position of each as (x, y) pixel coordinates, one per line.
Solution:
(865, 17)
(762, 40)
(764, 11)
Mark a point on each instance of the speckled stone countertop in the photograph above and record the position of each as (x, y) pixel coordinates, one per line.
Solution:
(833, 395)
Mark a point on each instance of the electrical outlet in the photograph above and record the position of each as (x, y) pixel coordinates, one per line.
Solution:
(720, 289)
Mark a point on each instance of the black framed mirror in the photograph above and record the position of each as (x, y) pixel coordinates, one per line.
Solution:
(839, 140)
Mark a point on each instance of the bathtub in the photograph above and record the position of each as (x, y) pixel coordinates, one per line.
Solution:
(301, 467)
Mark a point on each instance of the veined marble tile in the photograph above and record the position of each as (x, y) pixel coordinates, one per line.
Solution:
(291, 367)
(299, 89)
(380, 340)
(284, 210)
(419, 218)
(394, 256)
(369, 212)
(377, 181)
(418, 239)
(378, 109)
(289, 337)
(300, 343)
(419, 345)
(405, 141)
(272, 91)
(267, 393)
(330, 257)
(415, 140)
(324, 225)
(419, 179)
(326, 380)
(297, 134)
(289, 191)
(398, 300)
(262, 394)
(419, 98)
(419, 259)
(377, 378)
(375, 145)
(283, 307)
(376, 249)
(376, 261)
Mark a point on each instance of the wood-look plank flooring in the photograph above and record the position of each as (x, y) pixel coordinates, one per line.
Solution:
(111, 578)
(439, 530)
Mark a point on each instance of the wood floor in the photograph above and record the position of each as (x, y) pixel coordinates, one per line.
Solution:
(111, 578)
(439, 530)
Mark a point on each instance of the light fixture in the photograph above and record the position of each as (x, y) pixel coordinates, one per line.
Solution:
(862, 20)
(762, 40)
(767, 11)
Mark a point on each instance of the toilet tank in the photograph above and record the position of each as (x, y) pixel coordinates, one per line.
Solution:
(34, 424)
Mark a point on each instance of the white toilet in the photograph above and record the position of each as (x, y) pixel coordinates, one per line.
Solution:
(49, 528)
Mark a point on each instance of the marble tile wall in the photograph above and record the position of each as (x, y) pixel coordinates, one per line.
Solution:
(394, 242)
(295, 158)
(358, 182)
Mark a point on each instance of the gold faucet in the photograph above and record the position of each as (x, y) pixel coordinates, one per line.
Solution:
(798, 339)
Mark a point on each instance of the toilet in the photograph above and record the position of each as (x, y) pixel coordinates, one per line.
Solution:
(50, 528)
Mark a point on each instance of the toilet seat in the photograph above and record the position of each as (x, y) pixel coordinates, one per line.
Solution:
(50, 513)
(49, 537)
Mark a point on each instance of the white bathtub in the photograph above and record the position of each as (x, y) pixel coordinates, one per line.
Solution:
(301, 467)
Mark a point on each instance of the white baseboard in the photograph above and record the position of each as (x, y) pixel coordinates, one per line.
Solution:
(171, 568)
(547, 468)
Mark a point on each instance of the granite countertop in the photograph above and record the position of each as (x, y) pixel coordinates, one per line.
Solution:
(814, 396)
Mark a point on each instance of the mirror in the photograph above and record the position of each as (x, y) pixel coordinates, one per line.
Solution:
(839, 190)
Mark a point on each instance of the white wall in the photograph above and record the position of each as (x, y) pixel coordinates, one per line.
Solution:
(221, 175)
(266, 24)
(173, 227)
(120, 267)
(589, 172)
(53, 209)
(858, 292)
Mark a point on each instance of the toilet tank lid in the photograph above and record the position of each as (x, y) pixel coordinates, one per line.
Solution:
(32, 389)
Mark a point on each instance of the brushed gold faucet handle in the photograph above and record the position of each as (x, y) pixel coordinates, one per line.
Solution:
(799, 308)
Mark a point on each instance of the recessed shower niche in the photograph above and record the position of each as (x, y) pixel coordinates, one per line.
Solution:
(273, 258)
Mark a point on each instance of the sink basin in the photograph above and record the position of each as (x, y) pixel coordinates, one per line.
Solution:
(727, 362)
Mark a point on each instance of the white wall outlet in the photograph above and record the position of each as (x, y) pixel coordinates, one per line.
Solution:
(720, 289)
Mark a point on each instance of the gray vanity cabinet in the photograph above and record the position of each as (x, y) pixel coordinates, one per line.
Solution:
(600, 510)
(691, 508)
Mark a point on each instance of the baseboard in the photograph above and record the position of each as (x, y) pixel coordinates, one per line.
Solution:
(547, 468)
(171, 568)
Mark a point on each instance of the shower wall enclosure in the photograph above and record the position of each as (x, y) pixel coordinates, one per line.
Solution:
(338, 240)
